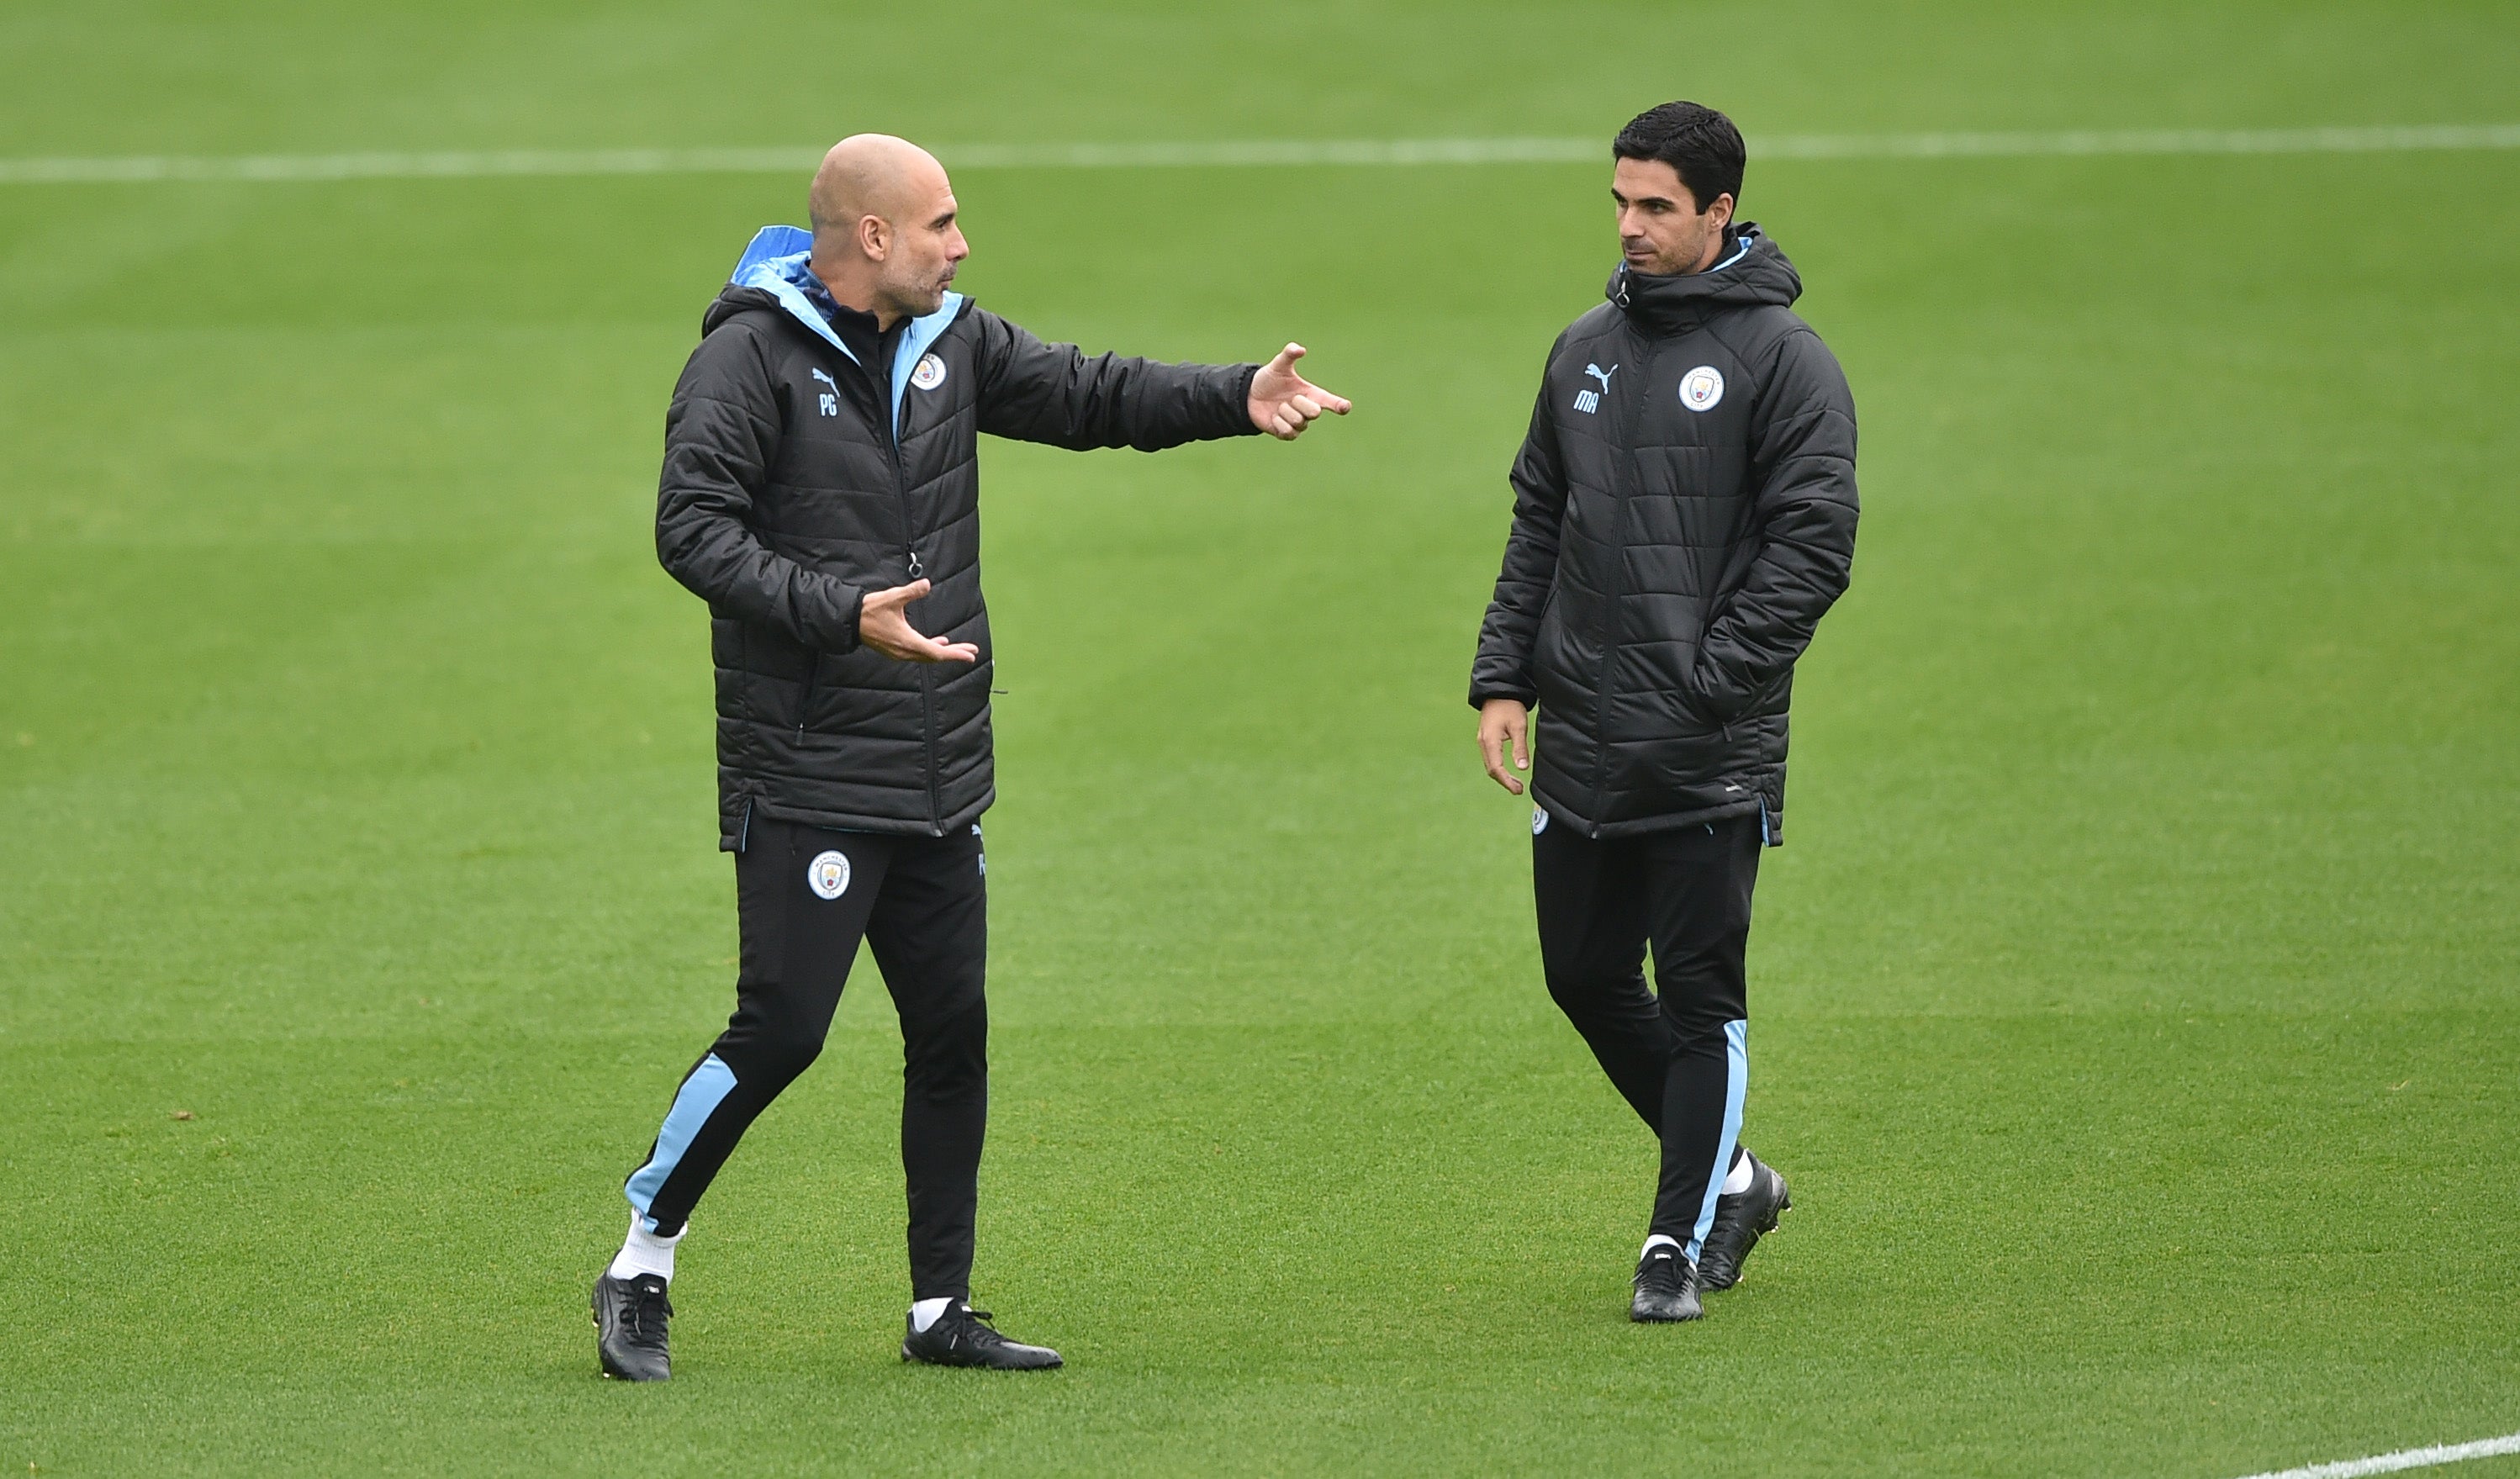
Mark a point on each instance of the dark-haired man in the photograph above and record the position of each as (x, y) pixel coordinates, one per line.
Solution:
(1684, 514)
(820, 477)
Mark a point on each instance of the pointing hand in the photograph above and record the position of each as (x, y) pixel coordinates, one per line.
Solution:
(883, 626)
(1284, 403)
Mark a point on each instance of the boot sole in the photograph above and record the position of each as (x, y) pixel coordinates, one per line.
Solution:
(975, 1366)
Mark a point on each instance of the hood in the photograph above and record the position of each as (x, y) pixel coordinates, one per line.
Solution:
(1752, 274)
(772, 272)
(773, 265)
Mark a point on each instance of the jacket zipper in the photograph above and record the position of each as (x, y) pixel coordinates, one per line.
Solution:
(1614, 595)
(910, 553)
(805, 699)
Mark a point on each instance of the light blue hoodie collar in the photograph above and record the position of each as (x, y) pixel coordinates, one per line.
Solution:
(1744, 244)
(776, 263)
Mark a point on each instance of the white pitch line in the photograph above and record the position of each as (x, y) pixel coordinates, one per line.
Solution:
(2404, 1459)
(1226, 155)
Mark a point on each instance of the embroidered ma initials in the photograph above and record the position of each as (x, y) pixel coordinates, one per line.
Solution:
(1589, 401)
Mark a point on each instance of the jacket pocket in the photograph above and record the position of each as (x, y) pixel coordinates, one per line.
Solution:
(805, 692)
(735, 682)
(1550, 667)
(726, 642)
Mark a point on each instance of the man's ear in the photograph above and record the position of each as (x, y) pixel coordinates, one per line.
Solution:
(875, 237)
(1722, 210)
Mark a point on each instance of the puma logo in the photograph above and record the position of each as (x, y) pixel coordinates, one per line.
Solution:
(1589, 401)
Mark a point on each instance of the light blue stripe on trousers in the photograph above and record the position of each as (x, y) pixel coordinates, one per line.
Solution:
(694, 1102)
(1737, 1087)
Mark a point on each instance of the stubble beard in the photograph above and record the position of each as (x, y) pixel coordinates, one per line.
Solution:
(921, 296)
(1682, 259)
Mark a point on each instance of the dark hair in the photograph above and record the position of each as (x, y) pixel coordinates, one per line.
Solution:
(1695, 140)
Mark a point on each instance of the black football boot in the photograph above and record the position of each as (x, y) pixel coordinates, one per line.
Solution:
(630, 1327)
(1666, 1287)
(1740, 1221)
(962, 1337)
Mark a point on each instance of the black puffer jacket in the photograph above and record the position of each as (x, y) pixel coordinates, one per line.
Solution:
(1684, 514)
(786, 497)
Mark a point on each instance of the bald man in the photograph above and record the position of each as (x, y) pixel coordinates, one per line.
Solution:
(821, 492)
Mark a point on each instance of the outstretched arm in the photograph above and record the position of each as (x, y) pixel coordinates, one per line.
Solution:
(1057, 394)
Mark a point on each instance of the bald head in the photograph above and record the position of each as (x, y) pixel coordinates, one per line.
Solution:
(869, 175)
(886, 241)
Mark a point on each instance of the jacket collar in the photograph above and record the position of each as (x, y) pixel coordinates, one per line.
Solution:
(1751, 271)
(775, 263)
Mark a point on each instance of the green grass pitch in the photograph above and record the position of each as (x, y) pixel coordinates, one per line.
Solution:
(2134, 1005)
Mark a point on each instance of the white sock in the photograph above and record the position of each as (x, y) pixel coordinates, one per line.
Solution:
(644, 1252)
(1663, 1238)
(1739, 1180)
(927, 1312)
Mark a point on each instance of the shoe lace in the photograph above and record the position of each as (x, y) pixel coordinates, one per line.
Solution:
(1661, 1273)
(646, 1315)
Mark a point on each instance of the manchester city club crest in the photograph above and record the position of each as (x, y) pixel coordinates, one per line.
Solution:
(1539, 820)
(1700, 389)
(929, 373)
(827, 875)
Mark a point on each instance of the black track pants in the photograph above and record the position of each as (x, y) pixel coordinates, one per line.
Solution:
(804, 897)
(1679, 1053)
